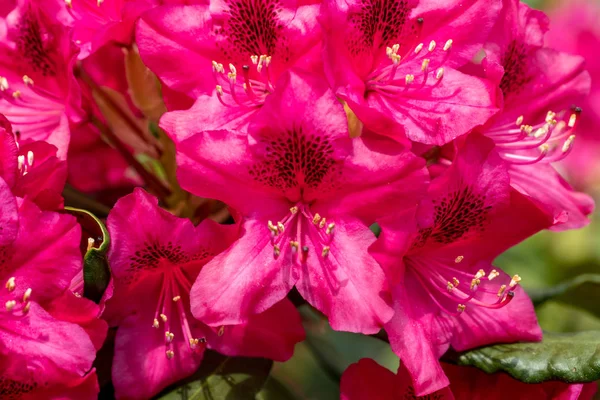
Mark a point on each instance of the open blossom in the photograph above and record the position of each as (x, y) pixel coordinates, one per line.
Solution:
(155, 257)
(38, 93)
(394, 62)
(535, 128)
(306, 194)
(31, 170)
(368, 380)
(574, 29)
(229, 53)
(38, 349)
(447, 291)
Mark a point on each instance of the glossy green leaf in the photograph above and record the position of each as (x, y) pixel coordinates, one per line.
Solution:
(222, 378)
(95, 242)
(569, 357)
(582, 292)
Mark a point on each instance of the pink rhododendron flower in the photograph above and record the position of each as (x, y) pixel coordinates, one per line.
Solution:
(448, 293)
(155, 257)
(306, 193)
(368, 380)
(32, 170)
(574, 29)
(394, 62)
(535, 128)
(38, 93)
(244, 46)
(39, 350)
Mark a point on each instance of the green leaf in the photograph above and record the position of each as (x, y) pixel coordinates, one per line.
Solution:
(568, 357)
(581, 292)
(222, 378)
(96, 273)
(337, 350)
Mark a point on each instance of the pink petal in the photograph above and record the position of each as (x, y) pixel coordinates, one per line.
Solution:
(348, 285)
(243, 280)
(9, 218)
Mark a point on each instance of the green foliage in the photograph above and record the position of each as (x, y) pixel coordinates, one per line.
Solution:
(223, 378)
(96, 273)
(569, 357)
(582, 292)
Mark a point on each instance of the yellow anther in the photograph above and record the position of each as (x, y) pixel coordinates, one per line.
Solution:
(519, 120)
(325, 251)
(395, 58)
(26, 295)
(515, 281)
(459, 259)
(276, 250)
(219, 90)
(544, 148)
(418, 48)
(455, 281)
(409, 79)
(10, 284)
(322, 223)
(27, 307)
(254, 59)
(540, 132)
(280, 226)
(294, 246)
(550, 116)
(567, 144)
(461, 308)
(316, 219)
(267, 60)
(572, 120)
(155, 324)
(169, 354)
(425, 64)
(474, 283)
(3, 83)
(449, 286)
(27, 80)
(163, 317)
(448, 45)
(431, 46)
(221, 330)
(176, 299)
(68, 3)
(501, 290)
(330, 228)
(493, 274)
(90, 243)
(169, 336)
(294, 210)
(439, 74)
(480, 274)
(16, 94)
(10, 305)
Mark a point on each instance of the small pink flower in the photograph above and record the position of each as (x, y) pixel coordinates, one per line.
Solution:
(394, 62)
(233, 51)
(306, 194)
(38, 93)
(536, 127)
(155, 257)
(447, 291)
(368, 380)
(40, 348)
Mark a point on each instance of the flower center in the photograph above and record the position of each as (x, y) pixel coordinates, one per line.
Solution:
(452, 289)
(549, 141)
(298, 230)
(171, 313)
(251, 90)
(17, 305)
(392, 79)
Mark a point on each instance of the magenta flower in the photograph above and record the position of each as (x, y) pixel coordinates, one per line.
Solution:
(394, 62)
(32, 170)
(306, 193)
(535, 129)
(368, 380)
(39, 350)
(574, 30)
(155, 257)
(448, 293)
(244, 46)
(38, 93)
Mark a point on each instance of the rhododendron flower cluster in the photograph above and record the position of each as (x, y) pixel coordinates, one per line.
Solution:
(178, 177)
